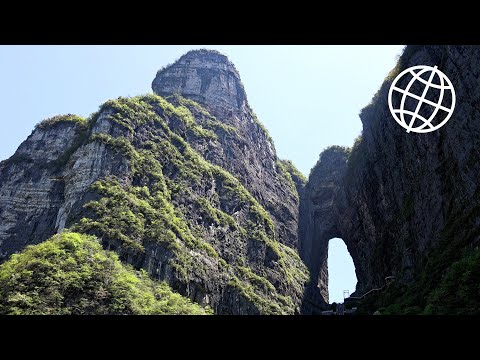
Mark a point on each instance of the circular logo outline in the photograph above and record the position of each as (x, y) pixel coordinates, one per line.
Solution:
(426, 127)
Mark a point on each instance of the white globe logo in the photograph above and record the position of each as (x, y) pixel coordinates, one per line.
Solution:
(426, 103)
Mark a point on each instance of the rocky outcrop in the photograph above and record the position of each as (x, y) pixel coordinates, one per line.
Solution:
(185, 185)
(319, 221)
(402, 202)
(47, 177)
(245, 149)
(207, 77)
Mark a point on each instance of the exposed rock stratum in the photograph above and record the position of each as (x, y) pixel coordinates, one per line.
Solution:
(185, 183)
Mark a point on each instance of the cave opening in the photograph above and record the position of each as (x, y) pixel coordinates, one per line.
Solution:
(341, 271)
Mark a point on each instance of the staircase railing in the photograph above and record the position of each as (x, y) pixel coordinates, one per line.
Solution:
(388, 281)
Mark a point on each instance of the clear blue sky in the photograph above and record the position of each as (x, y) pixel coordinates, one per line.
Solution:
(341, 271)
(308, 97)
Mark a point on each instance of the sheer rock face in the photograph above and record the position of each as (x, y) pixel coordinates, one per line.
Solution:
(318, 223)
(393, 198)
(399, 195)
(47, 177)
(210, 79)
(207, 77)
(147, 176)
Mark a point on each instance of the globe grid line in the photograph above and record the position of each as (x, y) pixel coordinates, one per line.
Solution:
(420, 102)
(408, 112)
(426, 101)
(445, 84)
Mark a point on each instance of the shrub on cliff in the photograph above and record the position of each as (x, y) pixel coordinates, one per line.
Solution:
(72, 274)
(459, 291)
(69, 118)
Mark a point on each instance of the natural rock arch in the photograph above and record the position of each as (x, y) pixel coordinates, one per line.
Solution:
(321, 209)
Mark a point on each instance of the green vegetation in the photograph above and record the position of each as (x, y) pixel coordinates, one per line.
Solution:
(445, 287)
(219, 127)
(72, 274)
(296, 271)
(456, 292)
(81, 135)
(192, 105)
(262, 303)
(459, 291)
(403, 60)
(261, 126)
(122, 144)
(253, 278)
(166, 180)
(58, 119)
(355, 158)
(296, 175)
(132, 215)
(262, 293)
(139, 110)
(289, 172)
(334, 149)
(339, 148)
(204, 118)
(217, 216)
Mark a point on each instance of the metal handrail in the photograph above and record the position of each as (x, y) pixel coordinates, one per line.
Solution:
(388, 280)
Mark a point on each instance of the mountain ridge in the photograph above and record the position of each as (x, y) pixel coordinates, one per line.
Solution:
(185, 184)
(155, 179)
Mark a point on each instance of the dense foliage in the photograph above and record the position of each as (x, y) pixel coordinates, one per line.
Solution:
(69, 118)
(443, 288)
(174, 198)
(163, 204)
(72, 274)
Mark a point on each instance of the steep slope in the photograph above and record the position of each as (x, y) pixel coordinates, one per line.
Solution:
(406, 204)
(191, 192)
(70, 274)
(245, 149)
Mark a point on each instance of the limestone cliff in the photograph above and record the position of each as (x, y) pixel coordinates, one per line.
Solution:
(185, 184)
(246, 149)
(406, 204)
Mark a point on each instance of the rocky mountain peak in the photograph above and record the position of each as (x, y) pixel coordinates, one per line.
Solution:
(211, 209)
(205, 76)
(192, 192)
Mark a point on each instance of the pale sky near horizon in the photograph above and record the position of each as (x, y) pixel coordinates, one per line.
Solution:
(308, 97)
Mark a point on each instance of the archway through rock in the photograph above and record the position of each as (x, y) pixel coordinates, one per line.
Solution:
(341, 271)
(321, 219)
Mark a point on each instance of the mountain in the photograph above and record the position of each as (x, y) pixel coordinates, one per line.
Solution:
(184, 187)
(183, 183)
(406, 204)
